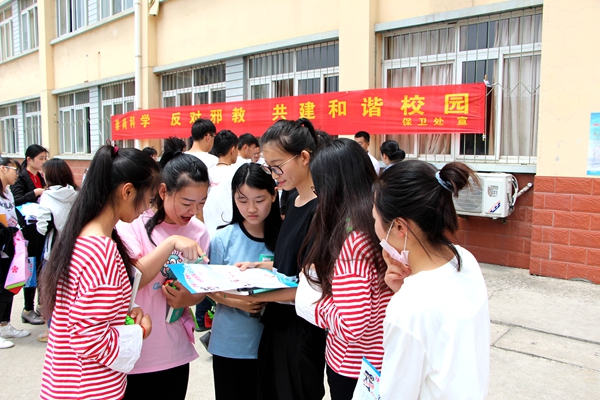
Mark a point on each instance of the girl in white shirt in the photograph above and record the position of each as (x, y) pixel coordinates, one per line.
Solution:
(437, 326)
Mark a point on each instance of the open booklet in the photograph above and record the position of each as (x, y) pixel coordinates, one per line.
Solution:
(206, 278)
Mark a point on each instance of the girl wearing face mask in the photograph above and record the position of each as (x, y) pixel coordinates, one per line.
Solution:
(344, 291)
(437, 325)
(166, 234)
(236, 328)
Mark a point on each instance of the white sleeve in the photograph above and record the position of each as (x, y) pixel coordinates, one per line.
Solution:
(306, 301)
(43, 216)
(404, 365)
(130, 347)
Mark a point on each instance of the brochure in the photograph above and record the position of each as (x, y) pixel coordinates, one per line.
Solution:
(367, 387)
(206, 278)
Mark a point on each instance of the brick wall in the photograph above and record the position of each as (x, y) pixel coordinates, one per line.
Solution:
(565, 237)
(503, 242)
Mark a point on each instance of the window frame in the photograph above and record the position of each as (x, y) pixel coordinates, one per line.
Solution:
(127, 103)
(70, 127)
(13, 147)
(35, 135)
(459, 59)
(321, 73)
(29, 29)
(210, 89)
(6, 34)
(71, 9)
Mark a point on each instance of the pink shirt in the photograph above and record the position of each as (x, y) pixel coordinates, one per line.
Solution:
(168, 345)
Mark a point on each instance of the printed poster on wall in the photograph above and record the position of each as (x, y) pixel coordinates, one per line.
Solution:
(593, 166)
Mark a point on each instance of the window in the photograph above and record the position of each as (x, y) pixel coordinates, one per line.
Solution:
(304, 70)
(203, 85)
(72, 15)
(74, 123)
(502, 50)
(33, 123)
(6, 34)
(9, 129)
(111, 7)
(117, 98)
(29, 24)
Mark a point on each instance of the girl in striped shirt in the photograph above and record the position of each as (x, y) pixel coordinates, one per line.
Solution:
(86, 284)
(342, 288)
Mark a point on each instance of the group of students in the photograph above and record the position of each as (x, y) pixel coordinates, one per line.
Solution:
(378, 277)
(51, 184)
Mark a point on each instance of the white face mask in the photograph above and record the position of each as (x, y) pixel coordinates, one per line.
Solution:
(401, 257)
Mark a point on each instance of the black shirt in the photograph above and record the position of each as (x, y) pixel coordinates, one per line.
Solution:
(292, 233)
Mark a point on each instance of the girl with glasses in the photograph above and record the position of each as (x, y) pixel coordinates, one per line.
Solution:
(291, 355)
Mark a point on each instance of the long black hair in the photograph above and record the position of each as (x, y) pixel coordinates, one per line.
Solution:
(343, 178)
(109, 169)
(416, 191)
(177, 170)
(251, 174)
(32, 151)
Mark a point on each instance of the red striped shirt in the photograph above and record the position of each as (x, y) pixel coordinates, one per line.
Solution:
(83, 340)
(354, 313)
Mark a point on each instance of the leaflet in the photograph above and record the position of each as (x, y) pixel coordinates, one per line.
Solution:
(206, 278)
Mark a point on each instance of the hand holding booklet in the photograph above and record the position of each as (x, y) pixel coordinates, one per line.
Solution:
(207, 278)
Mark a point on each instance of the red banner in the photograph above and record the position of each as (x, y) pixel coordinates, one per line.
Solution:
(408, 110)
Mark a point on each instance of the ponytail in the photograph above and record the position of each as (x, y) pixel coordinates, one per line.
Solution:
(293, 137)
(415, 191)
(110, 168)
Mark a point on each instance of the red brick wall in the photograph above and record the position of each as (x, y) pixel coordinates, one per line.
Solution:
(503, 242)
(78, 167)
(565, 238)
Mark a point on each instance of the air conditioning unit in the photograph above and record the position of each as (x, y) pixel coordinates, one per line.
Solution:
(494, 198)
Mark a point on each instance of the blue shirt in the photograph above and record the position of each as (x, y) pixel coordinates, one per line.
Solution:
(235, 334)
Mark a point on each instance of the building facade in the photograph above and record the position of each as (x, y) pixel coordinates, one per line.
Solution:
(67, 66)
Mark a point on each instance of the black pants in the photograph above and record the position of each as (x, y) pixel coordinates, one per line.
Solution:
(169, 384)
(235, 378)
(6, 300)
(341, 387)
(291, 356)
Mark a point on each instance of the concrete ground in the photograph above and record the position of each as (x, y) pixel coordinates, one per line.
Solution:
(545, 343)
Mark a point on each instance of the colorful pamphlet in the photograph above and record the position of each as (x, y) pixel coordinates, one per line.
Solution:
(367, 387)
(206, 278)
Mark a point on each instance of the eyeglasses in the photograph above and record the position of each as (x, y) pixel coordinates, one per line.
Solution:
(276, 169)
(13, 168)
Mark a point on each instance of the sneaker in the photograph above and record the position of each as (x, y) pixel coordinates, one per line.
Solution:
(5, 344)
(9, 331)
(31, 317)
